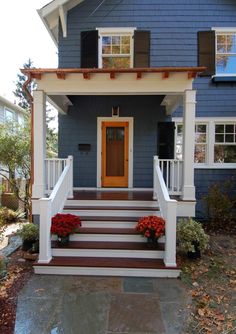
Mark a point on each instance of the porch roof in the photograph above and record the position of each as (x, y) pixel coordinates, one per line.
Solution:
(62, 73)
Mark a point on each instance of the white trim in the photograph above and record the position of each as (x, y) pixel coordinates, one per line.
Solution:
(130, 120)
(210, 122)
(116, 31)
(224, 29)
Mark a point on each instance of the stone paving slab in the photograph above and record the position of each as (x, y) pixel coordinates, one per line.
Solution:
(50, 304)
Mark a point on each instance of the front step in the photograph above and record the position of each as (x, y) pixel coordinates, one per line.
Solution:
(109, 249)
(104, 266)
(107, 243)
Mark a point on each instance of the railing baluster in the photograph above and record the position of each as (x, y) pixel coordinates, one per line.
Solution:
(171, 170)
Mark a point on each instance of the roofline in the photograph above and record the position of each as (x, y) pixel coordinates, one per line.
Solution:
(12, 105)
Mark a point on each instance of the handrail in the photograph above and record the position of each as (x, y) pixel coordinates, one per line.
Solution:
(168, 209)
(52, 205)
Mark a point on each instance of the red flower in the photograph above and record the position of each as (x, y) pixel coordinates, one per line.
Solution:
(65, 224)
(151, 226)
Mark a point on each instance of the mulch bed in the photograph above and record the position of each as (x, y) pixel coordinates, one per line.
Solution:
(18, 274)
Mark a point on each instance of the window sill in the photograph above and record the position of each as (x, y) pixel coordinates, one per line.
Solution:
(224, 78)
(215, 166)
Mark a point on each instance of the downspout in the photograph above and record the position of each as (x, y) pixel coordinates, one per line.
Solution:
(31, 102)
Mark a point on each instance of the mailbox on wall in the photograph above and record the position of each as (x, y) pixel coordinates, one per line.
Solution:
(84, 148)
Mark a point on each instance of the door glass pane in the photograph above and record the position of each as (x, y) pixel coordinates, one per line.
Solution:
(115, 151)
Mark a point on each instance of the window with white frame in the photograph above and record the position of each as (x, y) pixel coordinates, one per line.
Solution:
(200, 152)
(226, 53)
(225, 143)
(116, 48)
(9, 115)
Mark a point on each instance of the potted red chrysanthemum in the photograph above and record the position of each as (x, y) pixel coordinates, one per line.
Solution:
(152, 227)
(63, 225)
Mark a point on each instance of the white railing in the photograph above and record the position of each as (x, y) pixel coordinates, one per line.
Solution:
(53, 170)
(172, 171)
(52, 205)
(168, 209)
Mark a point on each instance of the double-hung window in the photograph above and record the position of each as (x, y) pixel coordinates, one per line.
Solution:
(225, 143)
(116, 48)
(226, 53)
(200, 154)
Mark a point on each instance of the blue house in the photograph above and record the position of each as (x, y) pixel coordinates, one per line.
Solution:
(147, 122)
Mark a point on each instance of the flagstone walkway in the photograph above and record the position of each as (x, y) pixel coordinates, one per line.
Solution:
(101, 305)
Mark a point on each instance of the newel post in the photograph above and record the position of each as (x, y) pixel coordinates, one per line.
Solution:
(170, 234)
(69, 162)
(45, 252)
(155, 164)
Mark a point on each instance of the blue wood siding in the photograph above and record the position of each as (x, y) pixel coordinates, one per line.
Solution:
(80, 127)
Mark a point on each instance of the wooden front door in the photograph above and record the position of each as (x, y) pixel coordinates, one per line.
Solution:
(115, 162)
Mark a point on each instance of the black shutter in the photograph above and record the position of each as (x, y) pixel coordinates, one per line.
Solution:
(165, 140)
(89, 49)
(206, 51)
(141, 48)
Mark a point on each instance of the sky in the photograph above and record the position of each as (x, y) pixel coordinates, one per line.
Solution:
(22, 36)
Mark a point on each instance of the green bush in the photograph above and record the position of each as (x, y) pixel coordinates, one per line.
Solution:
(189, 232)
(219, 205)
(29, 232)
(8, 216)
(3, 266)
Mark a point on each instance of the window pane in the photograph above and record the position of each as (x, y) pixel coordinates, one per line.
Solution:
(125, 39)
(219, 138)
(219, 128)
(106, 40)
(115, 49)
(229, 138)
(229, 128)
(125, 49)
(200, 154)
(116, 62)
(106, 50)
(226, 64)
(200, 138)
(115, 40)
(231, 43)
(9, 115)
(179, 128)
(225, 153)
(201, 128)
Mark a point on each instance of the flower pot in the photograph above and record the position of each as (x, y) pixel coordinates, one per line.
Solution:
(63, 241)
(152, 242)
(197, 253)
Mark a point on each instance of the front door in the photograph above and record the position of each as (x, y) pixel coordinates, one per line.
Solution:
(115, 154)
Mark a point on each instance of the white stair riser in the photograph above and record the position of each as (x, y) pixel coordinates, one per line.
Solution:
(109, 237)
(94, 271)
(111, 203)
(155, 254)
(112, 213)
(108, 224)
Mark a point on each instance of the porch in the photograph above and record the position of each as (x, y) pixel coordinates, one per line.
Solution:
(167, 177)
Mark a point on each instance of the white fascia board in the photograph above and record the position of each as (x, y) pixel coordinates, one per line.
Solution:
(224, 29)
(12, 106)
(63, 18)
(46, 24)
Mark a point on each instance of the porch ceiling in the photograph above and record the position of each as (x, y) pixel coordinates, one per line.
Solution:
(77, 81)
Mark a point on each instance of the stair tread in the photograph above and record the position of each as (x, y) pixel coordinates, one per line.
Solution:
(138, 263)
(105, 230)
(107, 207)
(108, 218)
(110, 245)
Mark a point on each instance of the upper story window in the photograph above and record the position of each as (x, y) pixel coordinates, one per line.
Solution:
(217, 52)
(116, 48)
(225, 53)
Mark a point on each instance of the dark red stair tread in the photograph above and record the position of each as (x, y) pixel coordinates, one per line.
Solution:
(138, 208)
(145, 195)
(101, 230)
(110, 245)
(103, 262)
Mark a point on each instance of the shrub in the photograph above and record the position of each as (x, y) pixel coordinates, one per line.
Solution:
(218, 203)
(29, 232)
(190, 232)
(8, 216)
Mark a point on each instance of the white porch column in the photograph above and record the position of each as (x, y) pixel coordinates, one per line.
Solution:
(188, 144)
(38, 190)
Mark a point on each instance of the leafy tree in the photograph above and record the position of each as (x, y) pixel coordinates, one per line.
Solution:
(15, 159)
